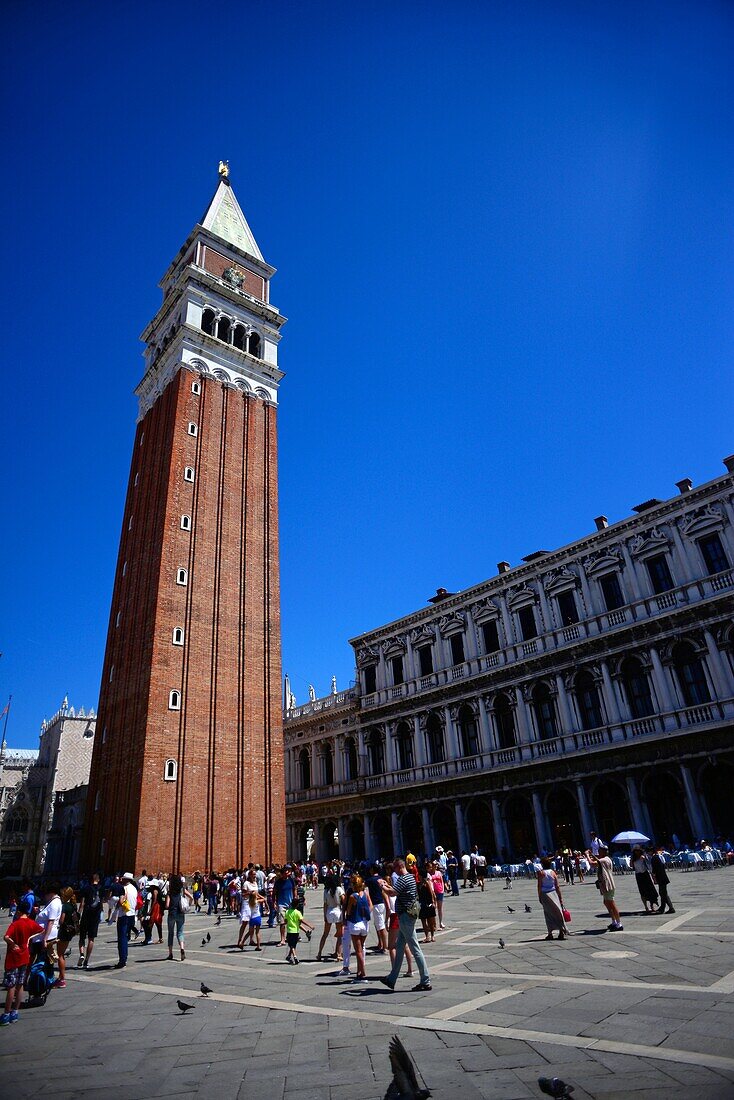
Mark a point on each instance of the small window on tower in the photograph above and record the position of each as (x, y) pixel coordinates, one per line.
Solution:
(130, 524)
(178, 635)
(253, 345)
(196, 388)
(117, 618)
(189, 473)
(124, 568)
(193, 430)
(182, 576)
(224, 329)
(137, 479)
(170, 771)
(174, 700)
(185, 523)
(104, 734)
(97, 800)
(142, 437)
(112, 672)
(207, 322)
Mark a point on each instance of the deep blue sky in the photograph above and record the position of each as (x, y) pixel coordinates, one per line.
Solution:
(504, 241)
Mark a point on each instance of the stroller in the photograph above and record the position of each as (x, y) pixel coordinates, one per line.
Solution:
(40, 979)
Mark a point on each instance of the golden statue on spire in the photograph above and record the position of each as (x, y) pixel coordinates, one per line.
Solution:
(224, 169)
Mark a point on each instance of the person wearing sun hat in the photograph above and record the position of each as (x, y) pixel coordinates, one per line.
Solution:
(125, 917)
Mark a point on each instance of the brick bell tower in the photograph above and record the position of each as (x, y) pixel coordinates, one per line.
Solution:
(187, 771)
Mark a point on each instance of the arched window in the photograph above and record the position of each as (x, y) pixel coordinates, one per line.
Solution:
(208, 322)
(178, 635)
(182, 576)
(637, 688)
(170, 770)
(691, 676)
(304, 768)
(188, 473)
(185, 523)
(253, 345)
(239, 336)
(468, 733)
(174, 700)
(196, 388)
(192, 428)
(17, 821)
(224, 329)
(328, 765)
(588, 701)
(545, 712)
(404, 744)
(434, 739)
(376, 752)
(351, 768)
(504, 718)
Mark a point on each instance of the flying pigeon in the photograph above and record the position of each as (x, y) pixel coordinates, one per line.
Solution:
(510, 909)
(205, 990)
(527, 908)
(404, 1084)
(554, 1086)
(208, 937)
(183, 1006)
(502, 943)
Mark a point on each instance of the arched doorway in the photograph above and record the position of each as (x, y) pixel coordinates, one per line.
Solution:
(444, 827)
(355, 830)
(520, 827)
(611, 809)
(563, 819)
(716, 785)
(666, 805)
(480, 828)
(382, 833)
(326, 845)
(412, 830)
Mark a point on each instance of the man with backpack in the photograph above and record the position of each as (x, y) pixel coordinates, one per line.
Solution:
(91, 914)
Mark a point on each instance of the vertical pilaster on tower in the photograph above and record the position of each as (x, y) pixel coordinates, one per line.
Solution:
(187, 770)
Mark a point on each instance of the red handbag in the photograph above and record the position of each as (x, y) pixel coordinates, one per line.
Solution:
(567, 915)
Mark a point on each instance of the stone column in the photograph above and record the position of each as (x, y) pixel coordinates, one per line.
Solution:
(471, 642)
(345, 847)
(696, 814)
(369, 840)
(339, 760)
(545, 610)
(419, 743)
(584, 814)
(507, 623)
(631, 572)
(522, 720)
(586, 592)
(390, 749)
(688, 568)
(541, 825)
(640, 818)
(486, 739)
(568, 725)
(500, 833)
(461, 832)
(427, 831)
(661, 681)
(453, 749)
(723, 688)
(613, 715)
(397, 840)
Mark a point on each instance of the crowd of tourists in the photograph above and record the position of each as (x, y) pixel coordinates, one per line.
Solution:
(391, 898)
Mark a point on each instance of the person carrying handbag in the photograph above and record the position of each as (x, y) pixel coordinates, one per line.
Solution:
(178, 902)
(407, 908)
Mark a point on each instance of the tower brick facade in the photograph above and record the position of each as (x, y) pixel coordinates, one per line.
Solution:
(187, 770)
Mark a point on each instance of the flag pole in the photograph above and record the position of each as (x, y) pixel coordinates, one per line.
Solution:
(6, 712)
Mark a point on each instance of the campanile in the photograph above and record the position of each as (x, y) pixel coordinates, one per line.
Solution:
(187, 771)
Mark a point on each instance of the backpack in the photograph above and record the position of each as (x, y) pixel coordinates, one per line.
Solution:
(96, 900)
(71, 925)
(40, 979)
(139, 902)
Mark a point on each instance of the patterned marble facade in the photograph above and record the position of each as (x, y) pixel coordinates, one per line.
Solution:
(590, 687)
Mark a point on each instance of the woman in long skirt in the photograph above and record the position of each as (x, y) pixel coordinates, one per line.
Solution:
(645, 884)
(549, 896)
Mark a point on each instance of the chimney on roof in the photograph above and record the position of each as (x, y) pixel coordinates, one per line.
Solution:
(684, 486)
(601, 523)
(729, 463)
(503, 567)
(441, 594)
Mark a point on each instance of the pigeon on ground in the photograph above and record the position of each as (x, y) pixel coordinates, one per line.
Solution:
(527, 908)
(205, 990)
(502, 943)
(219, 920)
(308, 936)
(554, 1086)
(404, 1084)
(510, 909)
(184, 1007)
(203, 943)
(208, 937)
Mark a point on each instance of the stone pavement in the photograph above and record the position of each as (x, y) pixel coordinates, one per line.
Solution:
(646, 1012)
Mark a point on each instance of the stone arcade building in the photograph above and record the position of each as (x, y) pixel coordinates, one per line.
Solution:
(590, 687)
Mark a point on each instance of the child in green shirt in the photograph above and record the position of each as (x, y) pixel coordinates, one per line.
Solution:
(294, 921)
